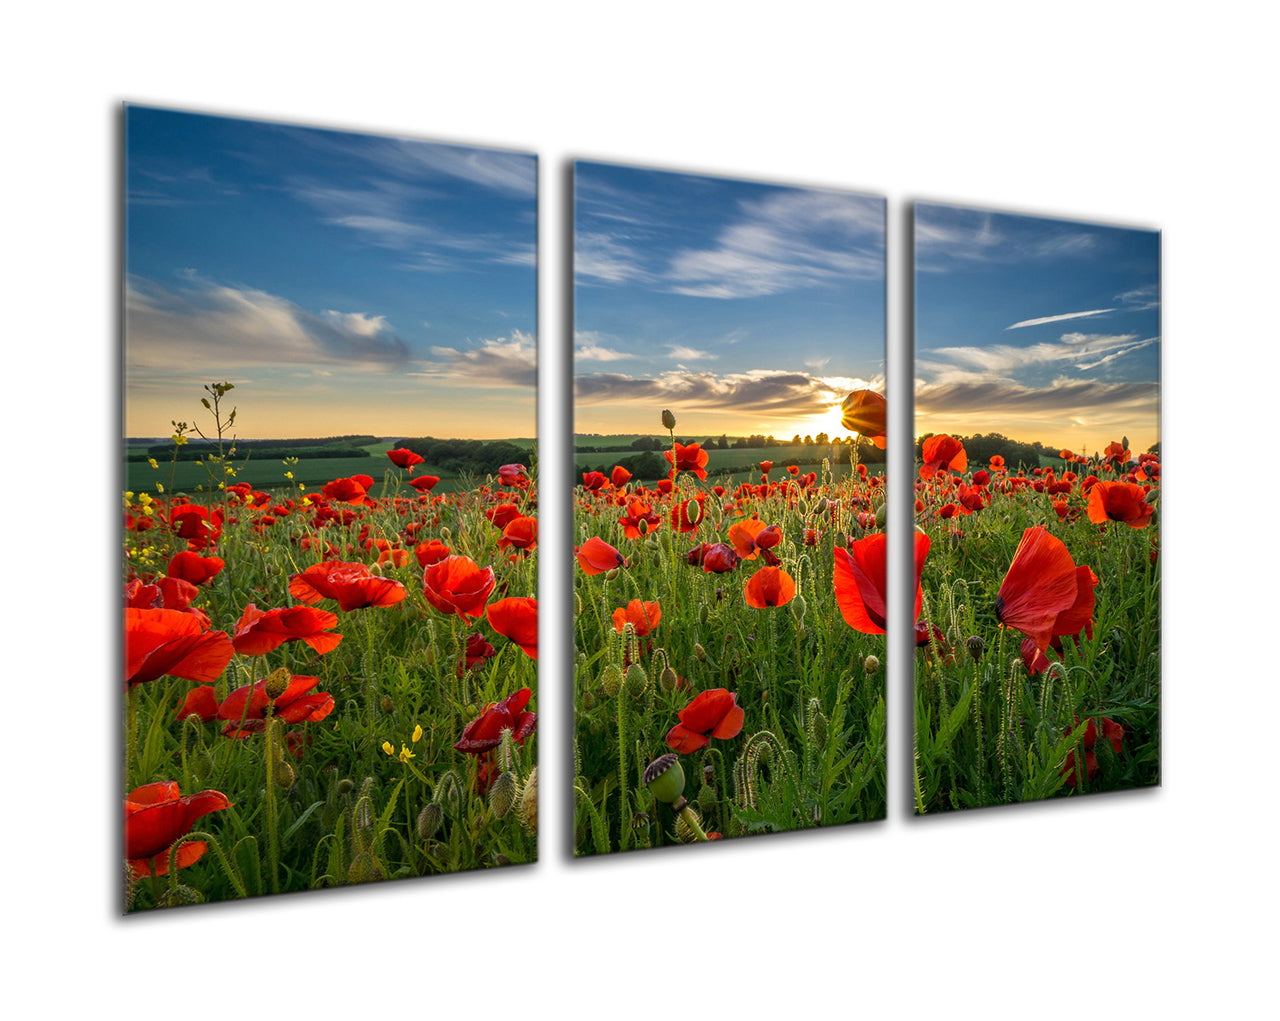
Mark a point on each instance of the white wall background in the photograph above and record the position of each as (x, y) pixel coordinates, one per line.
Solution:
(1151, 904)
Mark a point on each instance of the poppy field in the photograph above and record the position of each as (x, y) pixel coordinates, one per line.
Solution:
(323, 687)
(1038, 627)
(730, 643)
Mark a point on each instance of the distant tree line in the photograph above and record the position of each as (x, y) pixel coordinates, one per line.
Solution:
(463, 457)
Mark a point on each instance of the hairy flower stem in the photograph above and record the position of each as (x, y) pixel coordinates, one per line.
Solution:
(212, 841)
(681, 808)
(273, 836)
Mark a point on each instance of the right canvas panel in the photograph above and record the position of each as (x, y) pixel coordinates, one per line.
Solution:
(1037, 509)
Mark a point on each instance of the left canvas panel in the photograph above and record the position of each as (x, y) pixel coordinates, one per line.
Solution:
(330, 508)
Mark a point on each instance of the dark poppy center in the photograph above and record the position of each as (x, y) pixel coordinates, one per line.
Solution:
(1000, 609)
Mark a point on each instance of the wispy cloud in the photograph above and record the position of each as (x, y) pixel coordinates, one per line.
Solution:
(1059, 318)
(687, 354)
(221, 326)
(1063, 397)
(1084, 350)
(951, 236)
(590, 347)
(495, 362)
(608, 258)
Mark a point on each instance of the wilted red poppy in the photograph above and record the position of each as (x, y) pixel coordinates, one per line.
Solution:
(769, 586)
(156, 815)
(643, 617)
(1042, 582)
(865, 412)
(1116, 453)
(521, 533)
(516, 618)
(514, 475)
(350, 584)
(259, 631)
(942, 453)
(192, 567)
(620, 476)
(458, 585)
(403, 458)
(159, 642)
(431, 552)
(859, 581)
(1125, 502)
(596, 556)
(246, 707)
(691, 458)
(1111, 731)
(476, 652)
(718, 557)
(484, 733)
(424, 483)
(713, 713)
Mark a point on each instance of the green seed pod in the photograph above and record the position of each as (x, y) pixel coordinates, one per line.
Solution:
(664, 777)
(799, 607)
(871, 665)
(503, 793)
(611, 679)
(430, 819)
(668, 680)
(284, 775)
(179, 896)
(636, 680)
(528, 809)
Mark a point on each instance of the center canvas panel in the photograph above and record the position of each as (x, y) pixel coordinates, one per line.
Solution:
(729, 607)
(329, 569)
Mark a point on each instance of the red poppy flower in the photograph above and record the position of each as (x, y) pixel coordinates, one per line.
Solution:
(200, 702)
(432, 552)
(403, 458)
(1042, 582)
(743, 536)
(192, 567)
(713, 713)
(997, 463)
(642, 616)
(1116, 452)
(476, 652)
(942, 453)
(859, 581)
(458, 585)
(594, 481)
(521, 533)
(259, 631)
(246, 707)
(350, 584)
(683, 518)
(766, 466)
(769, 586)
(638, 511)
(484, 733)
(718, 557)
(165, 594)
(502, 515)
(620, 476)
(865, 412)
(159, 642)
(155, 816)
(691, 458)
(596, 556)
(424, 483)
(198, 525)
(516, 618)
(1111, 731)
(1119, 501)
(514, 475)
(353, 490)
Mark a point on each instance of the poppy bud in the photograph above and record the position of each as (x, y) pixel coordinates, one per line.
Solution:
(688, 826)
(668, 420)
(179, 896)
(707, 798)
(611, 679)
(500, 859)
(882, 515)
(668, 679)
(277, 683)
(363, 869)
(502, 795)
(817, 728)
(708, 774)
(636, 680)
(664, 777)
(346, 786)
(693, 511)
(802, 506)
(387, 705)
(612, 573)
(429, 655)
(445, 535)
(588, 700)
(375, 570)
(870, 665)
(798, 607)
(284, 775)
(528, 809)
(202, 767)
(704, 613)
(642, 526)
(975, 645)
(430, 819)
(699, 653)
(821, 506)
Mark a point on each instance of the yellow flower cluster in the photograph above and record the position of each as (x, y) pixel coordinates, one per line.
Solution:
(406, 753)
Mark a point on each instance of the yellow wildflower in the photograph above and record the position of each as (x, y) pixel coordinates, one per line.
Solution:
(405, 753)
(388, 747)
(417, 733)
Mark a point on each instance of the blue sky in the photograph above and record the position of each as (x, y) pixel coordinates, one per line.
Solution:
(1038, 328)
(344, 282)
(742, 307)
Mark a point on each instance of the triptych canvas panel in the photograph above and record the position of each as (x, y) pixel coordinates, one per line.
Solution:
(331, 508)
